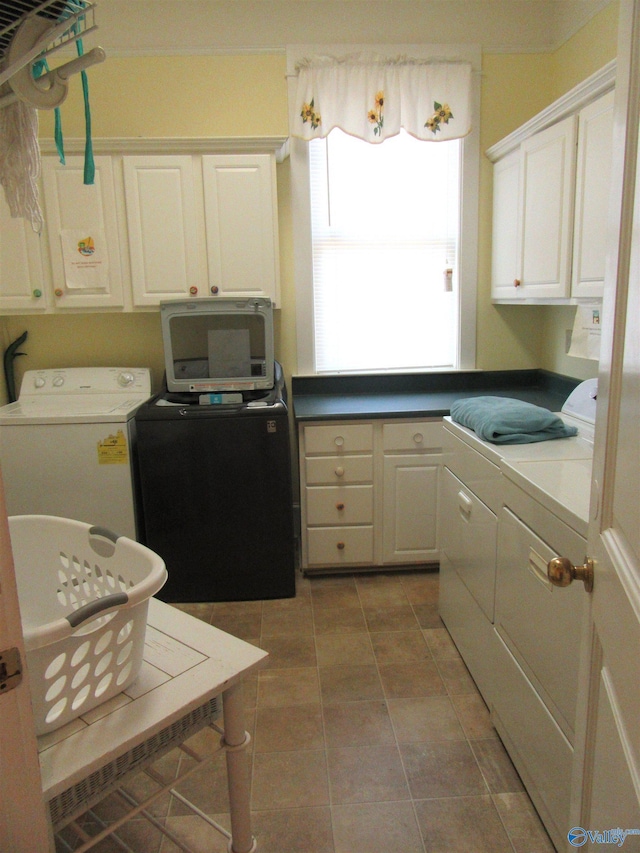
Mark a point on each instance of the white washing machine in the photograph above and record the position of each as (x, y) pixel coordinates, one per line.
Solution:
(67, 445)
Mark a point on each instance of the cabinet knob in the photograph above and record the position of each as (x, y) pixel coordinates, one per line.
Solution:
(339, 505)
(340, 546)
(561, 572)
(214, 289)
(338, 441)
(58, 292)
(37, 294)
(193, 290)
(516, 282)
(339, 471)
(418, 438)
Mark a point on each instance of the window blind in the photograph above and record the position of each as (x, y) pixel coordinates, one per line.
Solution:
(385, 226)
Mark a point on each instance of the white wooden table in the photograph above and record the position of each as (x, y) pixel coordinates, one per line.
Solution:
(187, 666)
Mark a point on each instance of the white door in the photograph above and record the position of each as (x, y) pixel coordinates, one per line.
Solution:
(23, 822)
(606, 785)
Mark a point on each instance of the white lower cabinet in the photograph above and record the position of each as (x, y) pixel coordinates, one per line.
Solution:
(369, 493)
(536, 675)
(518, 635)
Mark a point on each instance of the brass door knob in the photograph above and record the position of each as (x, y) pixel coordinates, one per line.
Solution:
(561, 572)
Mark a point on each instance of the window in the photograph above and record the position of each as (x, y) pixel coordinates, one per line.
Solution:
(358, 309)
(385, 225)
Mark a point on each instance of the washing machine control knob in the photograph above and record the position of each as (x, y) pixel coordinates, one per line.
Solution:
(39, 382)
(58, 381)
(126, 379)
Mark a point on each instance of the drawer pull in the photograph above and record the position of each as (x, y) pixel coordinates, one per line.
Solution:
(418, 438)
(538, 568)
(465, 505)
(338, 440)
(339, 472)
(339, 505)
(340, 546)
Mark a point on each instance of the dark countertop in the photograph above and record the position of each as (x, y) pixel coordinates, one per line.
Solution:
(420, 395)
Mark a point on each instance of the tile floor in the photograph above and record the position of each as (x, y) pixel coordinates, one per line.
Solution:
(369, 735)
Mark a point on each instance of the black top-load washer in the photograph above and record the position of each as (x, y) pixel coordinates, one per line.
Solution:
(213, 458)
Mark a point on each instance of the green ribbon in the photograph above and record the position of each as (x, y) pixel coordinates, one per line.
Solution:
(40, 67)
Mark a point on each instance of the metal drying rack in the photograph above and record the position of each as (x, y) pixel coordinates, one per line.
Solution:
(32, 30)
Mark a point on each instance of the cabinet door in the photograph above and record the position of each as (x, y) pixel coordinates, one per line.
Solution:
(410, 508)
(593, 172)
(546, 205)
(241, 224)
(505, 272)
(164, 221)
(82, 224)
(21, 272)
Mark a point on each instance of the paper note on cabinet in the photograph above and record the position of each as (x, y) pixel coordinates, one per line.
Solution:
(86, 265)
(586, 334)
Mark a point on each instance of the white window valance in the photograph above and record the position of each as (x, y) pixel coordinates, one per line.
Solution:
(372, 98)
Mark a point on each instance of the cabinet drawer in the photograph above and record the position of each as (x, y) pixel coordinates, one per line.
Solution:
(341, 505)
(338, 438)
(338, 469)
(540, 751)
(477, 473)
(424, 435)
(540, 623)
(468, 538)
(340, 545)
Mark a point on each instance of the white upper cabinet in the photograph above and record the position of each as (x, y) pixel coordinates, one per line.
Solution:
(532, 216)
(505, 266)
(550, 199)
(547, 168)
(201, 226)
(241, 225)
(22, 282)
(82, 228)
(166, 244)
(593, 173)
(164, 219)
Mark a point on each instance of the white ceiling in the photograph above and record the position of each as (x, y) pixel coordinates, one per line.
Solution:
(146, 27)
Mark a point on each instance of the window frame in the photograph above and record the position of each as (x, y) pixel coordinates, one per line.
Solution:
(301, 209)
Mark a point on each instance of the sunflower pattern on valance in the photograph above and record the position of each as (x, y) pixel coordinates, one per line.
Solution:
(372, 98)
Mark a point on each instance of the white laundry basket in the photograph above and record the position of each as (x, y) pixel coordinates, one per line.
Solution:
(84, 594)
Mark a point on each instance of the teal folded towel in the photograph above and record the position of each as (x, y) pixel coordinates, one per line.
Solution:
(503, 420)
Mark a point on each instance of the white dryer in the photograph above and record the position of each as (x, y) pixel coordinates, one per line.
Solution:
(67, 445)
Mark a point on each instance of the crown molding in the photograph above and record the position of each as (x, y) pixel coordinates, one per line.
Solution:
(177, 145)
(593, 87)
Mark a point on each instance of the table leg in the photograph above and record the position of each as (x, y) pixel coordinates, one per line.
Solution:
(236, 741)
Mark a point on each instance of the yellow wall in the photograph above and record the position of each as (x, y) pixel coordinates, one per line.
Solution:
(590, 49)
(245, 95)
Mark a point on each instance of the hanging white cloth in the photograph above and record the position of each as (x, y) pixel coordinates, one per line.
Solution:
(372, 98)
(20, 161)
